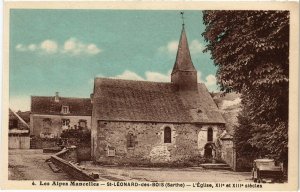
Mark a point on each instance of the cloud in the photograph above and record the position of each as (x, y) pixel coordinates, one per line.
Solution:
(48, 46)
(129, 75)
(19, 103)
(149, 76)
(172, 46)
(93, 49)
(72, 46)
(20, 47)
(210, 80)
(76, 47)
(32, 47)
(196, 47)
(158, 77)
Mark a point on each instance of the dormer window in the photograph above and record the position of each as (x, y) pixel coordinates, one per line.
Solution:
(65, 109)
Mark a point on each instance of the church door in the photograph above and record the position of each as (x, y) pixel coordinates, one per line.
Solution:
(208, 150)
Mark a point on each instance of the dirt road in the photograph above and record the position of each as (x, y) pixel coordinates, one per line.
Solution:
(31, 165)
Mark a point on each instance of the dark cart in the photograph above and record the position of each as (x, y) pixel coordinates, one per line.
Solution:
(265, 171)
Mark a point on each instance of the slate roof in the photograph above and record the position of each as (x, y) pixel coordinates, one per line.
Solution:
(47, 105)
(127, 100)
(183, 60)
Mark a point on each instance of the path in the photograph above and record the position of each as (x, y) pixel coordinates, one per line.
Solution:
(167, 174)
(31, 165)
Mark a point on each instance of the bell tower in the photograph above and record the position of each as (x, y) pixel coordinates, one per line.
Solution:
(184, 74)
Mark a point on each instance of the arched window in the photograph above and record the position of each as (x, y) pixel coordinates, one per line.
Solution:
(167, 135)
(209, 134)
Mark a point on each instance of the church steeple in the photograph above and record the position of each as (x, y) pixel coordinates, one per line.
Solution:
(183, 58)
(184, 74)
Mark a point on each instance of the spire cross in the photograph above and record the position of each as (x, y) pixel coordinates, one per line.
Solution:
(182, 17)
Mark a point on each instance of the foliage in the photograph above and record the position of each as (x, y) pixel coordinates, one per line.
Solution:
(251, 50)
(80, 134)
(242, 135)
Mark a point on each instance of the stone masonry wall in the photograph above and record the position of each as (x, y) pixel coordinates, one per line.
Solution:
(148, 142)
(227, 153)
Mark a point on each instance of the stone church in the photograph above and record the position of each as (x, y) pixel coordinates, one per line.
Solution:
(141, 121)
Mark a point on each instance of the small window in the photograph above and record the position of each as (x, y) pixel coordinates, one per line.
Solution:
(130, 140)
(47, 125)
(82, 123)
(167, 135)
(65, 122)
(65, 109)
(209, 134)
(111, 152)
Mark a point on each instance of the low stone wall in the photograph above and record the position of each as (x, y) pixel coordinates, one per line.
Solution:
(18, 142)
(227, 153)
(68, 154)
(40, 143)
(83, 153)
(68, 167)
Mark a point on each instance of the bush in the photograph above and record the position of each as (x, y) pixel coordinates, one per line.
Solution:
(78, 137)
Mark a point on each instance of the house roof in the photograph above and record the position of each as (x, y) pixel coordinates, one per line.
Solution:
(127, 100)
(48, 105)
(226, 136)
(183, 60)
(14, 115)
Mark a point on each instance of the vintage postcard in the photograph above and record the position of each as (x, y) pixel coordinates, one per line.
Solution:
(150, 96)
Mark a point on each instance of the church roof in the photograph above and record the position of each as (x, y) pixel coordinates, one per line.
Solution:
(183, 60)
(48, 105)
(143, 101)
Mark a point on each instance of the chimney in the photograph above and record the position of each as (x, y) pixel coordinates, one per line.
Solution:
(91, 96)
(56, 98)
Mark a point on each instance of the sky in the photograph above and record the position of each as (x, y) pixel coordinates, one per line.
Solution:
(64, 50)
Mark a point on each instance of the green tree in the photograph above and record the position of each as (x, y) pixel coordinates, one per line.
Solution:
(251, 50)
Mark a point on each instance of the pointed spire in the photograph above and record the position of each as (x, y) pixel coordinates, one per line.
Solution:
(183, 58)
(184, 74)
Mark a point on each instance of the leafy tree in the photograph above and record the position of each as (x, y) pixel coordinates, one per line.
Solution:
(251, 50)
(242, 135)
